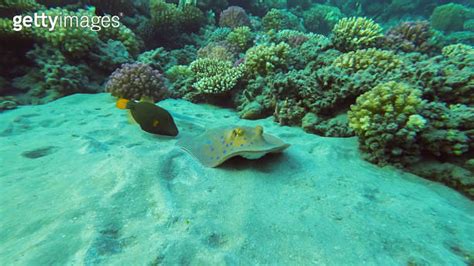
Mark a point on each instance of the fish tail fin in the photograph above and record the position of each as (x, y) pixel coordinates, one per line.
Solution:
(122, 103)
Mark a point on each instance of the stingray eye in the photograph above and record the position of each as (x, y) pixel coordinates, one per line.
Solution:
(237, 132)
(259, 130)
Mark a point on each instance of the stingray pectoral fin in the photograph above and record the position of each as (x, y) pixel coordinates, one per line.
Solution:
(275, 144)
(194, 147)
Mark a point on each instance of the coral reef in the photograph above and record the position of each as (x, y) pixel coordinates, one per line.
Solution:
(382, 60)
(216, 51)
(356, 33)
(387, 122)
(321, 18)
(450, 17)
(411, 36)
(233, 17)
(75, 40)
(280, 19)
(135, 81)
(263, 59)
(214, 76)
(241, 38)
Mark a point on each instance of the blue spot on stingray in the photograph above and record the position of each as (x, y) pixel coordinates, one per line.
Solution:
(212, 148)
(224, 152)
(227, 145)
(222, 137)
(241, 145)
(217, 158)
(209, 142)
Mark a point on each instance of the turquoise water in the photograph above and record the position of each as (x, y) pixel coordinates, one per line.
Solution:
(355, 118)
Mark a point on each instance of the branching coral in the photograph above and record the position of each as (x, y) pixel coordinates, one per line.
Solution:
(263, 59)
(7, 32)
(135, 81)
(123, 34)
(74, 40)
(19, 6)
(381, 60)
(215, 76)
(458, 50)
(55, 76)
(387, 122)
(411, 36)
(216, 51)
(356, 33)
(241, 38)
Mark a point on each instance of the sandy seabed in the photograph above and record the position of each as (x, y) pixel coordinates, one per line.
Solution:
(80, 185)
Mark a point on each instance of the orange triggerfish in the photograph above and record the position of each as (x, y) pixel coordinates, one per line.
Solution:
(151, 118)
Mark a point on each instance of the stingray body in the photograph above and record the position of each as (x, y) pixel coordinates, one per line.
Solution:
(217, 145)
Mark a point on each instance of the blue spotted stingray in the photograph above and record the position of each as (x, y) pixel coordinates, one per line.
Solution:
(217, 145)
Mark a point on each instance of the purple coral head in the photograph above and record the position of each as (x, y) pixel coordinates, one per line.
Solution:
(135, 81)
(233, 17)
(410, 36)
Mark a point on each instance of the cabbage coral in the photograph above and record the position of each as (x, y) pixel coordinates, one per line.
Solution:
(387, 122)
(381, 60)
(135, 81)
(215, 76)
(355, 33)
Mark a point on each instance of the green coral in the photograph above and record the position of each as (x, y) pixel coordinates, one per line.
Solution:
(356, 33)
(240, 37)
(450, 17)
(74, 40)
(457, 50)
(7, 32)
(123, 34)
(215, 76)
(22, 5)
(57, 76)
(387, 122)
(215, 51)
(279, 19)
(321, 18)
(450, 129)
(446, 78)
(168, 19)
(264, 59)
(381, 60)
(181, 79)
